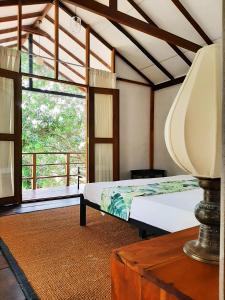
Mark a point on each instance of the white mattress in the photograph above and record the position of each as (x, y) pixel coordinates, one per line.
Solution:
(171, 212)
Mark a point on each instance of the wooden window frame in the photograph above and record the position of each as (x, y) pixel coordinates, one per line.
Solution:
(16, 137)
(91, 132)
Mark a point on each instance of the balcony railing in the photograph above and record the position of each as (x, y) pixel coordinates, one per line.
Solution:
(70, 159)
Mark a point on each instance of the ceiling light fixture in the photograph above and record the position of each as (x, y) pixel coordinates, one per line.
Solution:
(75, 23)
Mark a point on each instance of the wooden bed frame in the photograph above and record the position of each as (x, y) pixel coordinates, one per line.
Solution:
(144, 229)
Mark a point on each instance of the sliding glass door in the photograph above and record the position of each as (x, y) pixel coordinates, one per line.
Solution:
(10, 137)
(103, 134)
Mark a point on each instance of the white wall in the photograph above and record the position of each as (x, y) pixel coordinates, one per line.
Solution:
(163, 101)
(134, 122)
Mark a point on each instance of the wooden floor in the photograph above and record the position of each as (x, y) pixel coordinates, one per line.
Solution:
(52, 193)
(9, 287)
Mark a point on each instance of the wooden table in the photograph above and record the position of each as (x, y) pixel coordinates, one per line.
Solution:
(157, 269)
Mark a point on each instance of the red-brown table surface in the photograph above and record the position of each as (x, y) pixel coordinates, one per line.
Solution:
(158, 269)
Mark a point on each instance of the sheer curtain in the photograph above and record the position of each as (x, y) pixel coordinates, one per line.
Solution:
(103, 107)
(9, 60)
(100, 78)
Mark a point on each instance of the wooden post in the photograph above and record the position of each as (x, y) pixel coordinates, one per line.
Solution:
(19, 25)
(56, 54)
(113, 60)
(87, 49)
(68, 169)
(151, 146)
(30, 50)
(34, 171)
(113, 4)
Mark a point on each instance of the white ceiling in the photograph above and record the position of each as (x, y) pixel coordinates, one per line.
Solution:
(208, 14)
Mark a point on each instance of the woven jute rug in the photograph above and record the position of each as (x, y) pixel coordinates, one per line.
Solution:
(62, 260)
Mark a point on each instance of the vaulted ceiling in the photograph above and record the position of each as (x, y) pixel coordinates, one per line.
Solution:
(155, 60)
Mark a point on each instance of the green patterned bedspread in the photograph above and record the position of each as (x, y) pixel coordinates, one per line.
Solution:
(117, 200)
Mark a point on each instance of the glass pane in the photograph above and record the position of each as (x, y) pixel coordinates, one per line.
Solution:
(103, 116)
(6, 169)
(103, 162)
(7, 105)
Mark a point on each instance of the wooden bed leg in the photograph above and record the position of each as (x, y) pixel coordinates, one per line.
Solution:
(82, 211)
(143, 233)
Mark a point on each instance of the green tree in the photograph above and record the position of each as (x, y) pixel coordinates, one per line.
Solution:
(51, 123)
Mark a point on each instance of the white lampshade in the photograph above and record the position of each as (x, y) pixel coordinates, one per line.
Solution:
(193, 126)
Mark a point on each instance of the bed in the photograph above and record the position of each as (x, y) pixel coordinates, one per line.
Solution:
(159, 214)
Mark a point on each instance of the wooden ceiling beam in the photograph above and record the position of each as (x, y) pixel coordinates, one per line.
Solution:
(68, 52)
(19, 25)
(70, 81)
(135, 23)
(63, 63)
(87, 55)
(24, 2)
(113, 4)
(23, 16)
(150, 21)
(77, 41)
(143, 50)
(123, 58)
(25, 28)
(101, 39)
(192, 21)
(56, 39)
(168, 83)
(34, 30)
(11, 39)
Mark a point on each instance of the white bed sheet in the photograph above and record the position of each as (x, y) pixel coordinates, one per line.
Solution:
(171, 212)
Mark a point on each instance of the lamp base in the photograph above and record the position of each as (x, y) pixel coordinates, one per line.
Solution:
(194, 250)
(207, 212)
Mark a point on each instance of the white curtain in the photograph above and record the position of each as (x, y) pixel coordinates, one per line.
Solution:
(9, 60)
(100, 78)
(103, 162)
(103, 116)
(103, 107)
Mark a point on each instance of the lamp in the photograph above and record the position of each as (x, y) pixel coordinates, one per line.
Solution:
(193, 139)
(75, 23)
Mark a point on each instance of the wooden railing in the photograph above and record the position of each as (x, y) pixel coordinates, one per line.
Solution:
(80, 156)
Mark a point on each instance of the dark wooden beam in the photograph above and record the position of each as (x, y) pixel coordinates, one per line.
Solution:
(68, 52)
(56, 44)
(19, 25)
(23, 16)
(25, 28)
(135, 23)
(132, 81)
(31, 76)
(87, 54)
(150, 21)
(151, 141)
(101, 39)
(34, 30)
(123, 58)
(24, 2)
(77, 41)
(113, 60)
(192, 21)
(38, 20)
(168, 83)
(11, 38)
(63, 63)
(30, 51)
(113, 4)
(142, 49)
